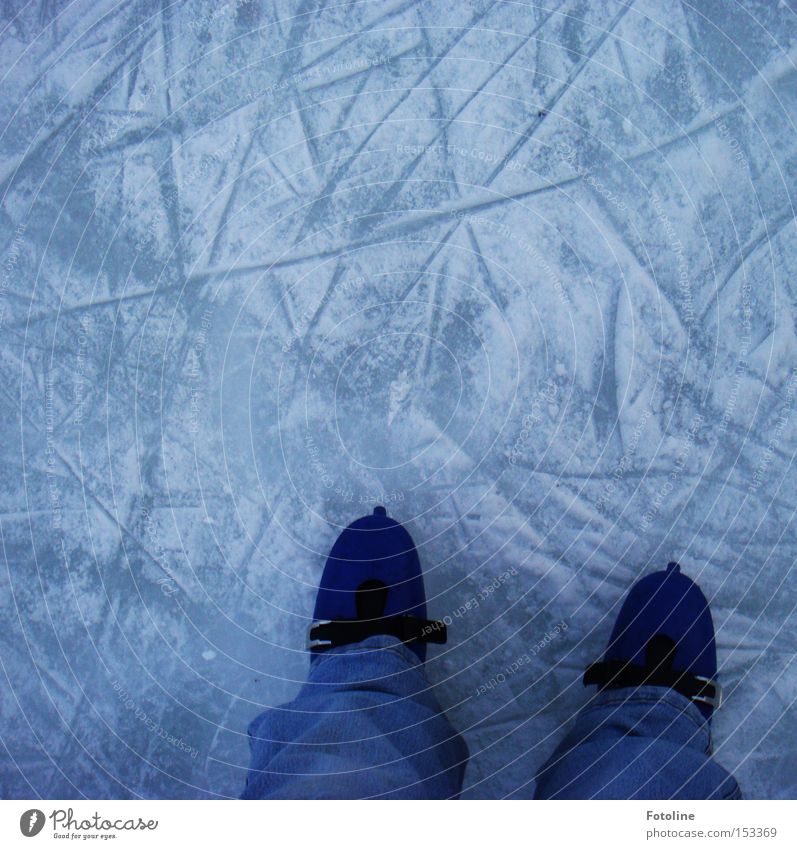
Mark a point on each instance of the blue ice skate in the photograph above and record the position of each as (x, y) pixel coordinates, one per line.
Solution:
(663, 636)
(372, 584)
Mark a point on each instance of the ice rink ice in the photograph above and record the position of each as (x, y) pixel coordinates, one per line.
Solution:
(523, 273)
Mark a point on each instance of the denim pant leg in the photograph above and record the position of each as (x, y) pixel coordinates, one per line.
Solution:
(636, 743)
(366, 724)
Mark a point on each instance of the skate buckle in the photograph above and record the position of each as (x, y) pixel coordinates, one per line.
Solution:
(319, 644)
(712, 701)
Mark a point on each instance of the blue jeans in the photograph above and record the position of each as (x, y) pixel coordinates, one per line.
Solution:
(367, 725)
(636, 743)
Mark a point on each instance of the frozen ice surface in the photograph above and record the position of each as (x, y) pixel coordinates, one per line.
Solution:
(523, 273)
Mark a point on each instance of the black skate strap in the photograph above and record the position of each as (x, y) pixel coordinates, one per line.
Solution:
(612, 674)
(408, 629)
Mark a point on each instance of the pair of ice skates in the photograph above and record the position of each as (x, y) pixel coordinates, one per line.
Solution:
(372, 584)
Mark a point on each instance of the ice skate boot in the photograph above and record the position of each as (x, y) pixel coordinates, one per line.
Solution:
(372, 584)
(663, 636)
